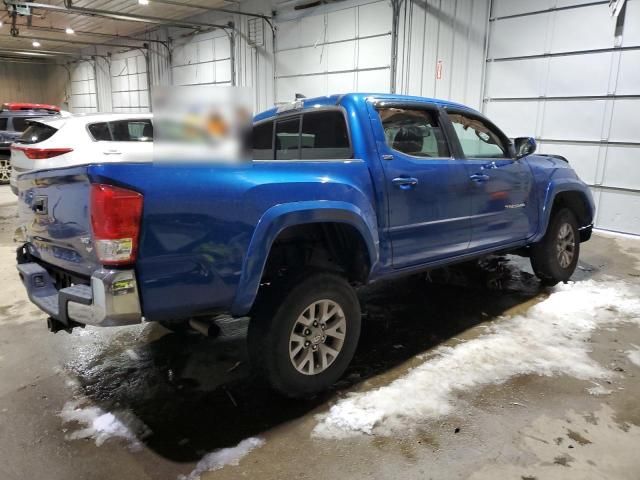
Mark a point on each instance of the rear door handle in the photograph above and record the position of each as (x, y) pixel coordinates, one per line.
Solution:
(479, 177)
(112, 152)
(405, 183)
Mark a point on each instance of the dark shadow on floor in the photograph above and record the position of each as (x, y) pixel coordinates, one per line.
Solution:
(197, 394)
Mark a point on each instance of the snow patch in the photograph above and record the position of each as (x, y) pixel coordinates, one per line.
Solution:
(101, 425)
(223, 457)
(634, 355)
(550, 339)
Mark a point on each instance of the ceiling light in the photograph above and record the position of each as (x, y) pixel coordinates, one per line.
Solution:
(143, 2)
(69, 31)
(36, 43)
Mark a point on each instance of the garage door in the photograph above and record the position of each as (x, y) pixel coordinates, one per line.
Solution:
(129, 84)
(83, 88)
(204, 60)
(567, 73)
(340, 51)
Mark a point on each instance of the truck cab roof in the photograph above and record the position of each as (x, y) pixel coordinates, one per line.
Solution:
(337, 99)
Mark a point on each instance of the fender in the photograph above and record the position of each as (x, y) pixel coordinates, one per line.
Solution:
(554, 187)
(278, 218)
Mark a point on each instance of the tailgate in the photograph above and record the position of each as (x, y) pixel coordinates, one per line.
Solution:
(53, 218)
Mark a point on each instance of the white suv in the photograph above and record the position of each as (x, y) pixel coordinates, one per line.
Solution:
(80, 139)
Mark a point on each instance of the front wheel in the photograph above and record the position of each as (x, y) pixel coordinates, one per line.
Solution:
(303, 338)
(555, 257)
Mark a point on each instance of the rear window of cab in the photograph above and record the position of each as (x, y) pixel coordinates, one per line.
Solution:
(313, 135)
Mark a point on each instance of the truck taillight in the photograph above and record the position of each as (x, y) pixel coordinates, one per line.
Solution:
(42, 153)
(115, 219)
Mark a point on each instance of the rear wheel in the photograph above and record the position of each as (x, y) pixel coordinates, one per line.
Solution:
(555, 257)
(302, 338)
(5, 170)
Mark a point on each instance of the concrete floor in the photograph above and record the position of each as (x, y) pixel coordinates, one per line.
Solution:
(185, 396)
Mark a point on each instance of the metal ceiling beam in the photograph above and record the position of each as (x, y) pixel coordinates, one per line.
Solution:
(36, 53)
(74, 42)
(91, 34)
(126, 17)
(266, 18)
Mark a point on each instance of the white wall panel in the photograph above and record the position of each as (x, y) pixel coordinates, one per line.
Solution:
(325, 51)
(575, 75)
(446, 37)
(629, 73)
(625, 123)
(619, 211)
(631, 35)
(573, 120)
(588, 89)
(129, 87)
(585, 28)
(514, 37)
(517, 78)
(83, 88)
(204, 60)
(622, 167)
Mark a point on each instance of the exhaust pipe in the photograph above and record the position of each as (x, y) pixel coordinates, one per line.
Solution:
(208, 329)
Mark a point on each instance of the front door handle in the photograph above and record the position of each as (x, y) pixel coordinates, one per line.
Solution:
(405, 183)
(112, 152)
(479, 177)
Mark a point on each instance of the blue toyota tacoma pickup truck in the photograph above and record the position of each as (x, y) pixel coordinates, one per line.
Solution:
(342, 191)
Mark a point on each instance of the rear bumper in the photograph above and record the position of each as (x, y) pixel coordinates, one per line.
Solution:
(110, 300)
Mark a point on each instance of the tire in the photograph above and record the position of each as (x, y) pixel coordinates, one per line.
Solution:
(291, 342)
(5, 170)
(555, 257)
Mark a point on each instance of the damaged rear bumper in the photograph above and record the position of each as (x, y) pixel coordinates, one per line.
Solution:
(111, 299)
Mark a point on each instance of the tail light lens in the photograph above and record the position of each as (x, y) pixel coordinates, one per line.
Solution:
(42, 153)
(115, 219)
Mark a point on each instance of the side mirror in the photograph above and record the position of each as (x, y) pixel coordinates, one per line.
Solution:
(524, 146)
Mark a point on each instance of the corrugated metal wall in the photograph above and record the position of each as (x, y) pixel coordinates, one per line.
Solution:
(441, 49)
(33, 82)
(561, 71)
(203, 59)
(334, 51)
(83, 87)
(129, 82)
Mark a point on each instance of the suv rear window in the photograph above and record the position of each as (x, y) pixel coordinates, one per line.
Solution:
(135, 130)
(36, 132)
(20, 123)
(3, 123)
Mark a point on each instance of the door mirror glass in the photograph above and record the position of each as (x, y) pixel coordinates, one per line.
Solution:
(524, 146)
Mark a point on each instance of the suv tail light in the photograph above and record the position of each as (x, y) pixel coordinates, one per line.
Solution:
(115, 219)
(42, 153)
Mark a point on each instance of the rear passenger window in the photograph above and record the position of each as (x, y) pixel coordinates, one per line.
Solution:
(100, 131)
(262, 139)
(138, 130)
(132, 130)
(288, 139)
(324, 136)
(413, 132)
